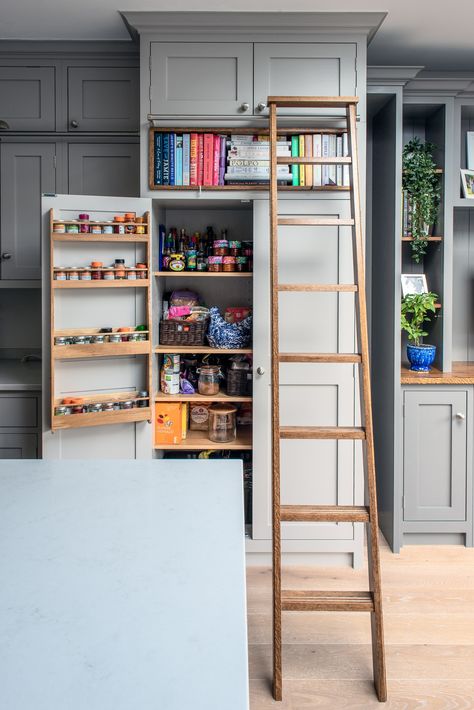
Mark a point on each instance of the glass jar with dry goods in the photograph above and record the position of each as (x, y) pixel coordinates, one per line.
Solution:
(208, 383)
(222, 423)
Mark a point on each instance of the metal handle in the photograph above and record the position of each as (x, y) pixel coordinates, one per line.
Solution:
(261, 106)
(6, 255)
(260, 370)
(74, 124)
(460, 415)
(4, 126)
(244, 106)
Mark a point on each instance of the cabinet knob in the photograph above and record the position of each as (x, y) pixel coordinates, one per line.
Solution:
(260, 370)
(4, 126)
(6, 256)
(74, 124)
(460, 415)
(261, 106)
(244, 106)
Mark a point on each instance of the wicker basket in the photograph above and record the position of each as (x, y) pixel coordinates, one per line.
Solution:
(239, 383)
(182, 332)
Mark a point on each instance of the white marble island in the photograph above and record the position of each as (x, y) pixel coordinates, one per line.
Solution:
(122, 586)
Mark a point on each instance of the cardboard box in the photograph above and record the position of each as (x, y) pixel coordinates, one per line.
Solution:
(168, 423)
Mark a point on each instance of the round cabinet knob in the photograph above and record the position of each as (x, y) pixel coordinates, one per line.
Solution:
(260, 370)
(460, 415)
(74, 124)
(261, 106)
(6, 256)
(245, 106)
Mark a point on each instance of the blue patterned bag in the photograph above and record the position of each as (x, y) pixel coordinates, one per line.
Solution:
(228, 335)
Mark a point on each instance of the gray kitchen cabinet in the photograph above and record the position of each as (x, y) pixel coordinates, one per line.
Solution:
(201, 78)
(103, 98)
(27, 170)
(104, 169)
(18, 446)
(436, 454)
(19, 425)
(27, 98)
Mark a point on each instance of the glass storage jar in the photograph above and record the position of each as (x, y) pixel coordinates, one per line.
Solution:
(208, 383)
(222, 423)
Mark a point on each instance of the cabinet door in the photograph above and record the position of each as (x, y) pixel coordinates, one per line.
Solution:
(27, 170)
(103, 98)
(312, 472)
(201, 78)
(435, 455)
(104, 169)
(320, 69)
(18, 446)
(27, 98)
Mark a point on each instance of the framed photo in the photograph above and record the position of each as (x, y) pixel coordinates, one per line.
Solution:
(413, 284)
(470, 150)
(467, 177)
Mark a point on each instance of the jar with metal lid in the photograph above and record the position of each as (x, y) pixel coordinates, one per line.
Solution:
(141, 270)
(83, 227)
(77, 409)
(98, 339)
(129, 216)
(220, 247)
(222, 423)
(85, 274)
(80, 340)
(94, 408)
(208, 383)
(108, 228)
(228, 263)
(59, 274)
(96, 270)
(177, 262)
(108, 275)
(72, 228)
(59, 227)
(131, 274)
(108, 407)
(60, 340)
(247, 248)
(241, 263)
(142, 402)
(130, 229)
(141, 227)
(119, 226)
(128, 404)
(115, 338)
(96, 228)
(73, 274)
(234, 247)
(62, 411)
(119, 266)
(134, 338)
(214, 263)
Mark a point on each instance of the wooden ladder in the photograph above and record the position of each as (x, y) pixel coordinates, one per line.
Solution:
(288, 600)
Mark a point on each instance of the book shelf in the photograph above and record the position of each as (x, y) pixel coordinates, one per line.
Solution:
(127, 405)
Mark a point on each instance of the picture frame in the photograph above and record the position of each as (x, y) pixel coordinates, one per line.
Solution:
(413, 284)
(470, 150)
(467, 178)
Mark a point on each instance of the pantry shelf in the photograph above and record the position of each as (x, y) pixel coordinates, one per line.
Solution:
(77, 421)
(427, 239)
(74, 352)
(194, 274)
(221, 397)
(126, 283)
(195, 441)
(201, 350)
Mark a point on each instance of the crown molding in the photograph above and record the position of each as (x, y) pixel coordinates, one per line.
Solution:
(57, 49)
(391, 75)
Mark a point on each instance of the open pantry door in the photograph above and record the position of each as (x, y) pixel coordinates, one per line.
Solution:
(97, 327)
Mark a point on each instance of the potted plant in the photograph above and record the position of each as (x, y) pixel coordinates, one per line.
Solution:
(415, 307)
(421, 184)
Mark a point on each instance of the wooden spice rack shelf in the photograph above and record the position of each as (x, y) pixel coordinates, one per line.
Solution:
(201, 350)
(197, 441)
(200, 274)
(78, 421)
(76, 352)
(84, 238)
(221, 397)
(101, 283)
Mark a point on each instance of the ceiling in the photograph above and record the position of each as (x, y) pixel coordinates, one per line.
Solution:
(419, 32)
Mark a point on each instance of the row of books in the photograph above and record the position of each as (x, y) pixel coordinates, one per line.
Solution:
(210, 159)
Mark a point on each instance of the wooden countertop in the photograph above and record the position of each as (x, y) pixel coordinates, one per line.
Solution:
(461, 374)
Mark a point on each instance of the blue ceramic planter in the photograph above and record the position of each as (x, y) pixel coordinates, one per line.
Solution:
(421, 357)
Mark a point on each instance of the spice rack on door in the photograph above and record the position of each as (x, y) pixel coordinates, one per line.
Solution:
(141, 407)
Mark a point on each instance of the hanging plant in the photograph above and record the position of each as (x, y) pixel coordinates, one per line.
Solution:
(421, 183)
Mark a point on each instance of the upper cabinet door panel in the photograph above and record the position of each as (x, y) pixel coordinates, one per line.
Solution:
(318, 69)
(194, 78)
(27, 98)
(103, 99)
(104, 169)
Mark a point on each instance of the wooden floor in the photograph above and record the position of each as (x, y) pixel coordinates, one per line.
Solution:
(327, 664)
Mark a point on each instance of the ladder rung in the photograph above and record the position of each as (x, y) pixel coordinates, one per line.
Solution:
(304, 600)
(324, 513)
(313, 161)
(313, 101)
(322, 432)
(320, 357)
(315, 221)
(318, 287)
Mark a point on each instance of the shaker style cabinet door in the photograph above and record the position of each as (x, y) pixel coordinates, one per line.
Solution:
(319, 69)
(27, 98)
(201, 78)
(27, 170)
(18, 446)
(103, 99)
(435, 455)
(104, 169)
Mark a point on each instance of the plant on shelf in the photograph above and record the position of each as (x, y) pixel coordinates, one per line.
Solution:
(421, 183)
(415, 307)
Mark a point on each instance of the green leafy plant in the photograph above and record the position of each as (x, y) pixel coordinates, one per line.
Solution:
(421, 183)
(415, 307)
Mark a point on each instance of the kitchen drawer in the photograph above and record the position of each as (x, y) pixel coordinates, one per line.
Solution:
(17, 411)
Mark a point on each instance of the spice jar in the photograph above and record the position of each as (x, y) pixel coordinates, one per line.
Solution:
(131, 274)
(62, 411)
(96, 228)
(124, 329)
(220, 247)
(126, 405)
(94, 408)
(130, 228)
(96, 270)
(84, 228)
(60, 340)
(108, 407)
(115, 338)
(142, 402)
(134, 338)
(119, 226)
(108, 228)
(141, 270)
(59, 274)
(222, 423)
(228, 263)
(59, 227)
(177, 262)
(85, 274)
(108, 275)
(208, 383)
(141, 228)
(235, 247)
(72, 228)
(77, 409)
(214, 263)
(98, 339)
(119, 266)
(73, 274)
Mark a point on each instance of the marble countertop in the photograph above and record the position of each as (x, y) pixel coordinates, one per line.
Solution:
(19, 376)
(122, 585)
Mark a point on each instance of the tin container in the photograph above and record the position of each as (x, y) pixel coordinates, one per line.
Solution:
(59, 228)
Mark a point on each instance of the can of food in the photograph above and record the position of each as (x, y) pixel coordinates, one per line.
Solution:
(59, 227)
(172, 362)
(169, 381)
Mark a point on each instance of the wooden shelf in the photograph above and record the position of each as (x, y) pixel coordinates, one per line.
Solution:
(200, 274)
(221, 397)
(77, 421)
(196, 440)
(85, 238)
(126, 283)
(213, 188)
(75, 352)
(428, 239)
(461, 374)
(201, 349)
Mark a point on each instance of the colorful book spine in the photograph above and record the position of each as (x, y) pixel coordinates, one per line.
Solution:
(222, 159)
(308, 151)
(172, 158)
(346, 180)
(193, 159)
(158, 172)
(208, 159)
(161, 238)
(166, 158)
(302, 171)
(332, 154)
(178, 153)
(216, 156)
(317, 169)
(325, 154)
(186, 158)
(339, 155)
(200, 163)
(295, 151)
